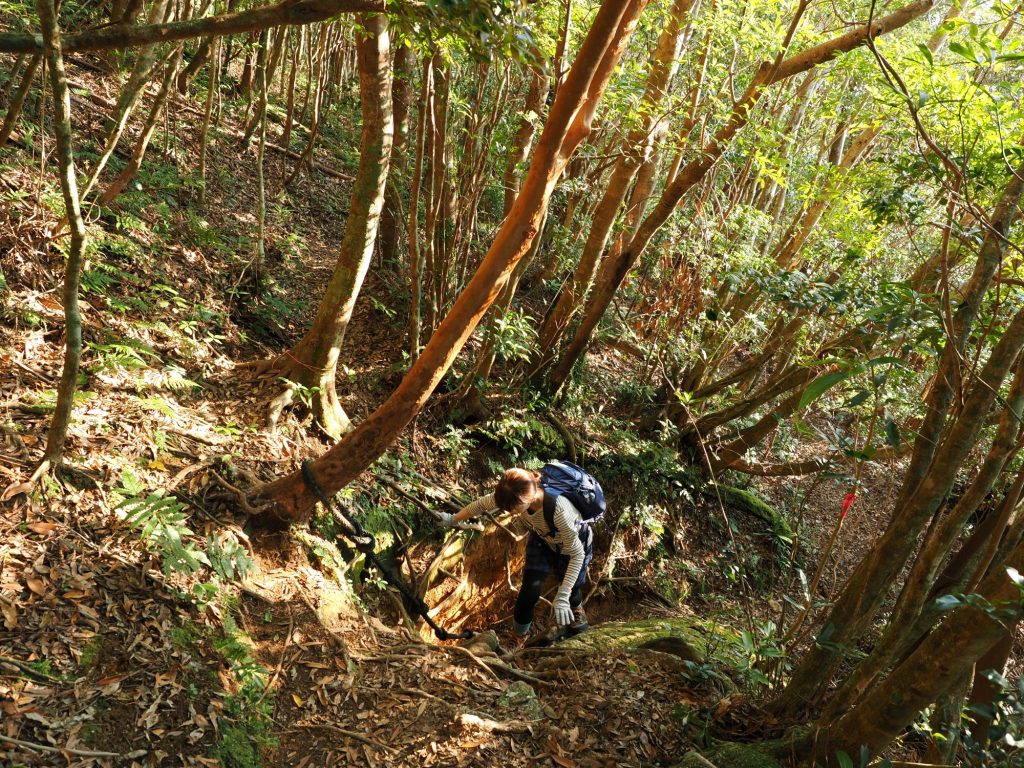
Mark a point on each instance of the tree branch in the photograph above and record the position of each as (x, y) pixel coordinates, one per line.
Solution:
(255, 19)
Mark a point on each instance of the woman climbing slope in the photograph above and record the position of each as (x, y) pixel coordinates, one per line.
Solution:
(558, 504)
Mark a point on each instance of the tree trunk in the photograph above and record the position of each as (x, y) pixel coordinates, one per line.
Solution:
(901, 631)
(402, 105)
(415, 255)
(201, 56)
(925, 483)
(18, 100)
(568, 124)
(313, 361)
(204, 136)
(561, 47)
(263, 79)
(146, 63)
(51, 37)
(316, 98)
(293, 70)
(949, 653)
(139, 152)
(533, 109)
(252, 20)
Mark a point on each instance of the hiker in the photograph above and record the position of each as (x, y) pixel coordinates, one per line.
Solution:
(558, 504)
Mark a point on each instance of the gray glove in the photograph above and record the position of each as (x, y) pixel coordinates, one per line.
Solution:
(446, 520)
(560, 610)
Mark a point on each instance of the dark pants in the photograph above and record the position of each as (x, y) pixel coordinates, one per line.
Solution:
(541, 560)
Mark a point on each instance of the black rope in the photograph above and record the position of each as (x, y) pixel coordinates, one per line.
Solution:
(364, 543)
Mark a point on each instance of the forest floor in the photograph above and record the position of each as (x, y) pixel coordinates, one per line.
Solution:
(108, 659)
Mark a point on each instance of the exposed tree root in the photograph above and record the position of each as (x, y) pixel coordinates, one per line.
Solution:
(310, 385)
(255, 510)
(565, 434)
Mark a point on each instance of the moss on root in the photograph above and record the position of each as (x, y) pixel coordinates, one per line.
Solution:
(730, 755)
(752, 504)
(690, 633)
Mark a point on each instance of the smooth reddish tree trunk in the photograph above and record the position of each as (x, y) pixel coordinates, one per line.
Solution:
(313, 361)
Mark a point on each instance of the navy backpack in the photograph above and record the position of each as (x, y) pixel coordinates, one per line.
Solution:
(563, 478)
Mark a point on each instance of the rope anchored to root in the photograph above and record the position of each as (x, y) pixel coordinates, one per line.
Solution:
(363, 542)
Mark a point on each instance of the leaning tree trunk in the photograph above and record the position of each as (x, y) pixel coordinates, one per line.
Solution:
(900, 634)
(944, 658)
(18, 99)
(72, 270)
(568, 124)
(313, 361)
(128, 173)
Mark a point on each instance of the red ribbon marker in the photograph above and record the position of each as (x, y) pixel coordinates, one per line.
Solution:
(847, 503)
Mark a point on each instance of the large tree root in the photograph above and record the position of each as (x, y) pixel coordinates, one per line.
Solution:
(306, 384)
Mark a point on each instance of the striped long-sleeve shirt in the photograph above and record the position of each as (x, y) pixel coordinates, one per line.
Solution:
(565, 540)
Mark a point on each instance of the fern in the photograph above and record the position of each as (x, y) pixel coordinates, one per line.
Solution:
(228, 560)
(160, 521)
(157, 404)
(176, 381)
(127, 354)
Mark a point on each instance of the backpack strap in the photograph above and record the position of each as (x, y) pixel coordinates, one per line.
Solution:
(549, 512)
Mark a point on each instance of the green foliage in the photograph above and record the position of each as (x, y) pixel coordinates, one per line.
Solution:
(236, 749)
(301, 391)
(160, 521)
(249, 711)
(45, 401)
(456, 446)
(487, 31)
(157, 404)
(121, 355)
(514, 335)
(1005, 716)
(228, 559)
(758, 650)
(522, 434)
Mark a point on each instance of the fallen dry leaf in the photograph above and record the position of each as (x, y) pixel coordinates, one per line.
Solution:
(14, 489)
(10, 615)
(37, 586)
(42, 528)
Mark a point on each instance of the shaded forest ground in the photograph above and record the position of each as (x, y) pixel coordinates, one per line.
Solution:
(100, 651)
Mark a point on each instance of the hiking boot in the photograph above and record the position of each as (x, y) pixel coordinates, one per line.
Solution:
(579, 621)
(517, 641)
(519, 635)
